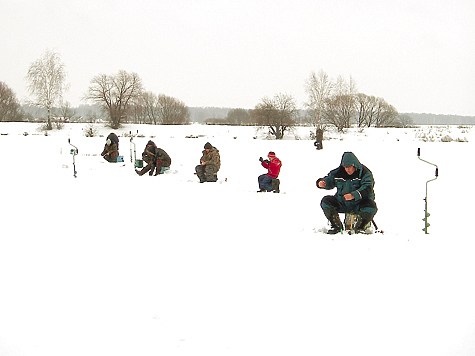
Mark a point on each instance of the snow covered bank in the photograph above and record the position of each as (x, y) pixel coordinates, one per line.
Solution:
(111, 263)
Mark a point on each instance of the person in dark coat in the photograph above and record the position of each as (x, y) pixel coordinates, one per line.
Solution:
(210, 162)
(156, 158)
(114, 139)
(319, 139)
(110, 152)
(354, 183)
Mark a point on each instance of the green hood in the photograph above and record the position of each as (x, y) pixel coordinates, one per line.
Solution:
(349, 159)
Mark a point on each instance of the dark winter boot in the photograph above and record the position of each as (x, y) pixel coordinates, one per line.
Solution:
(364, 222)
(334, 218)
(275, 185)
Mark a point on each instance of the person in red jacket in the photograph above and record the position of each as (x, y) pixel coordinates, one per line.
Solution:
(269, 182)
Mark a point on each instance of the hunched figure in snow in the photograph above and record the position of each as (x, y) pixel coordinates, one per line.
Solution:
(269, 182)
(111, 148)
(319, 139)
(156, 159)
(354, 183)
(210, 162)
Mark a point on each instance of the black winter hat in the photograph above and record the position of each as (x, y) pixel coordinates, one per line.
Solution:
(208, 145)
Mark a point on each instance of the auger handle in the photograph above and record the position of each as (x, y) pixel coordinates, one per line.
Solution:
(423, 160)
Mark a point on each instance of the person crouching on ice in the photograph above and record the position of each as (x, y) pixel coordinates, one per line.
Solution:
(156, 158)
(110, 152)
(268, 182)
(354, 193)
(210, 162)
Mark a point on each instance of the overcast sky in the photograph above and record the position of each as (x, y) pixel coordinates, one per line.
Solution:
(418, 55)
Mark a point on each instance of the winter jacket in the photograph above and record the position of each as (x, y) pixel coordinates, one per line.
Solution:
(114, 139)
(319, 135)
(360, 184)
(211, 158)
(152, 153)
(110, 152)
(273, 167)
(163, 157)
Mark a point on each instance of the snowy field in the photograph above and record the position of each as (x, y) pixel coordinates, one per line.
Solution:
(110, 263)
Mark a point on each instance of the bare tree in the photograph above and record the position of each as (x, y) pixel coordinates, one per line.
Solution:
(278, 114)
(172, 111)
(10, 109)
(238, 117)
(151, 110)
(346, 94)
(339, 104)
(136, 113)
(386, 114)
(365, 109)
(47, 82)
(65, 111)
(340, 107)
(319, 89)
(405, 120)
(115, 94)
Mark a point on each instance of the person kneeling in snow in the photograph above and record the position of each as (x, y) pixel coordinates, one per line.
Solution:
(156, 159)
(269, 182)
(110, 152)
(354, 183)
(210, 161)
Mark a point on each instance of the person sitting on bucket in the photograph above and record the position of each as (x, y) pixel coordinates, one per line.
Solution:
(210, 162)
(268, 182)
(110, 152)
(354, 183)
(156, 159)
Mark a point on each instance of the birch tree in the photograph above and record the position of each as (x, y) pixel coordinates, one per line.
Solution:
(47, 77)
(319, 88)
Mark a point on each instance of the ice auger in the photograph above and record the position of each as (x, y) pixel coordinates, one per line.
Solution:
(426, 224)
(138, 163)
(74, 152)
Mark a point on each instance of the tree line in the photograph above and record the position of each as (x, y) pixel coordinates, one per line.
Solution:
(122, 98)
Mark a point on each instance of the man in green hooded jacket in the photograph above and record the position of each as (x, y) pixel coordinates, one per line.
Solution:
(354, 183)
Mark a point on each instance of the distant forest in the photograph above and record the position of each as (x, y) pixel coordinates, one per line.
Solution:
(92, 113)
(433, 119)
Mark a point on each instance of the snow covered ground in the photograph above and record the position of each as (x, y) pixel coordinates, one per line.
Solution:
(110, 263)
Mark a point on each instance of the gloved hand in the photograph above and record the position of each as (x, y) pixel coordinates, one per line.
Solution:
(261, 159)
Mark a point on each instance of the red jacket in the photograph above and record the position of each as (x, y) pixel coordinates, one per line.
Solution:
(273, 167)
